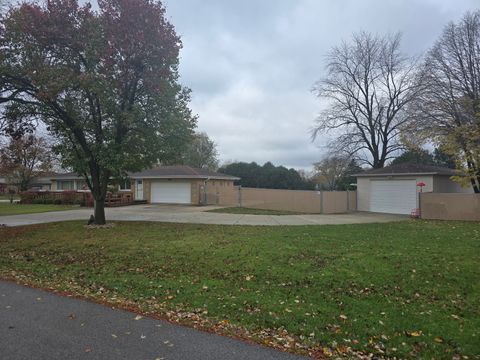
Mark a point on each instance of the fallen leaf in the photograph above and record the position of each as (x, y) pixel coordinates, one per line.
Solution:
(414, 333)
(327, 352)
(138, 317)
(439, 340)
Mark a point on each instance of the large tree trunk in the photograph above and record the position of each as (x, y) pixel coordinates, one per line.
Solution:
(99, 192)
(99, 212)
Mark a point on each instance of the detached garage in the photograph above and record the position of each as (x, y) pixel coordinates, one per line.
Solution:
(394, 189)
(181, 185)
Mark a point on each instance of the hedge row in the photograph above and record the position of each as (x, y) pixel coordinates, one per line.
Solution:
(57, 198)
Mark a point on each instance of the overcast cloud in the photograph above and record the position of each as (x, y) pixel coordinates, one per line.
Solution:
(251, 64)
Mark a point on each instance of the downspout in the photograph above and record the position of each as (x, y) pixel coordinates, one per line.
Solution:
(205, 198)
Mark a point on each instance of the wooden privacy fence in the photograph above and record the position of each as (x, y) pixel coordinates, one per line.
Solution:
(305, 201)
(450, 206)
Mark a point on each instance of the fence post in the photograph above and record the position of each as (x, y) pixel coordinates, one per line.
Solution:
(321, 201)
(240, 195)
(348, 201)
(420, 205)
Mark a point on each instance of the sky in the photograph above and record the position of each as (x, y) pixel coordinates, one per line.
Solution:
(251, 64)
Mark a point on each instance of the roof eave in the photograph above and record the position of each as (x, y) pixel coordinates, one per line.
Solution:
(68, 178)
(194, 177)
(403, 174)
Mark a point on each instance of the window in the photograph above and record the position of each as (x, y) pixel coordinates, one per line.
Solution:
(65, 185)
(82, 185)
(125, 185)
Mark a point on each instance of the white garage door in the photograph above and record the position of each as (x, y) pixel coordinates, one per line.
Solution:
(173, 192)
(393, 196)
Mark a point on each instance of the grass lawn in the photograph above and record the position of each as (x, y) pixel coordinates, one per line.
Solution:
(250, 211)
(7, 197)
(17, 209)
(407, 290)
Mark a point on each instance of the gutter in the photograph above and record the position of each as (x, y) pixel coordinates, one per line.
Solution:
(188, 177)
(401, 174)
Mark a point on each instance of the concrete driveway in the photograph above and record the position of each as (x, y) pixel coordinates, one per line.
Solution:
(198, 215)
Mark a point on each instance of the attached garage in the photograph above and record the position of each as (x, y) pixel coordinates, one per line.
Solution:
(394, 190)
(182, 185)
(171, 192)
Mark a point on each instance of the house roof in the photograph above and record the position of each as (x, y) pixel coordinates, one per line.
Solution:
(162, 172)
(67, 176)
(181, 172)
(409, 169)
(35, 181)
(45, 180)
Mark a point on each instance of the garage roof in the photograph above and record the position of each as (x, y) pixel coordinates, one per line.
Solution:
(409, 169)
(181, 172)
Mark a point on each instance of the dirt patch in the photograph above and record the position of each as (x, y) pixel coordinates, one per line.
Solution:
(105, 226)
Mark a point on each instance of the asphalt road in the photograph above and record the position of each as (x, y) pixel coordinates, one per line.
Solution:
(35, 324)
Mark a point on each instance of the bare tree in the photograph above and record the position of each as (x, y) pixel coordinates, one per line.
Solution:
(202, 152)
(448, 111)
(23, 159)
(330, 171)
(369, 84)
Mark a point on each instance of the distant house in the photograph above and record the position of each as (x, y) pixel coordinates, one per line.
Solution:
(162, 184)
(394, 189)
(42, 183)
(68, 182)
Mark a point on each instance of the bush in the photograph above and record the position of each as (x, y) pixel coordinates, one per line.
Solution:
(56, 198)
(69, 197)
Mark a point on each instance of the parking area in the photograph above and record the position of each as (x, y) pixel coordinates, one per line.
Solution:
(198, 215)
